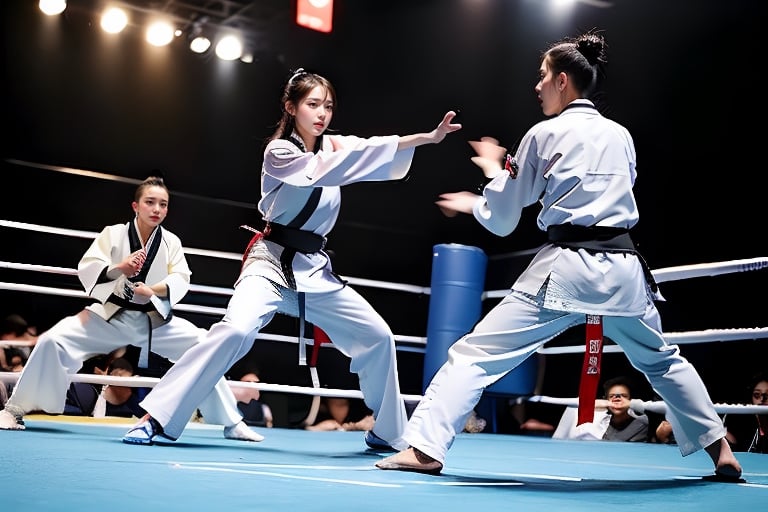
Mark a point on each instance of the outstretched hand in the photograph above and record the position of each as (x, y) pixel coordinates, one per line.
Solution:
(445, 127)
(436, 136)
(488, 147)
(453, 203)
(489, 155)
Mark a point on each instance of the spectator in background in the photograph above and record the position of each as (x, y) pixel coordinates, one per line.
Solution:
(82, 396)
(85, 399)
(16, 360)
(659, 429)
(614, 419)
(255, 413)
(663, 433)
(747, 432)
(20, 338)
(337, 413)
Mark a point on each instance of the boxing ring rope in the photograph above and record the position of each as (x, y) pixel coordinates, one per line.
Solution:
(661, 275)
(639, 406)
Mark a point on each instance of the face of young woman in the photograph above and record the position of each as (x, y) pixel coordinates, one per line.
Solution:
(760, 393)
(313, 114)
(152, 207)
(547, 91)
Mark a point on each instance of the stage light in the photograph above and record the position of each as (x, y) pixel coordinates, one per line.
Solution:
(200, 44)
(315, 14)
(229, 48)
(160, 33)
(114, 20)
(52, 7)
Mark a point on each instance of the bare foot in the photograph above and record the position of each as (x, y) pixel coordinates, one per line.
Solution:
(411, 460)
(722, 456)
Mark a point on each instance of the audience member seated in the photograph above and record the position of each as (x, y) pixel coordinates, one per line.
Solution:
(84, 399)
(747, 432)
(255, 413)
(614, 420)
(664, 433)
(15, 329)
(16, 359)
(659, 429)
(338, 413)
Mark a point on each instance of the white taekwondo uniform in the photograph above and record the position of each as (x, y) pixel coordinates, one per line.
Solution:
(301, 190)
(580, 166)
(115, 321)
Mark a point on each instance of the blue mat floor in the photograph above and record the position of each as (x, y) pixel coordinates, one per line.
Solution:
(66, 464)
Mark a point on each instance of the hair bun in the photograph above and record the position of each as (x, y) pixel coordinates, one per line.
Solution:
(592, 46)
(157, 174)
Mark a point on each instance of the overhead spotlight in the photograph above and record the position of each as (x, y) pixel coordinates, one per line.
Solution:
(200, 44)
(52, 7)
(114, 20)
(160, 33)
(247, 57)
(229, 48)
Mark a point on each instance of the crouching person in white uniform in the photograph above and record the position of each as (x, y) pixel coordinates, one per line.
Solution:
(137, 271)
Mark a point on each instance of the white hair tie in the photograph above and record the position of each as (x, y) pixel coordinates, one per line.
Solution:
(296, 73)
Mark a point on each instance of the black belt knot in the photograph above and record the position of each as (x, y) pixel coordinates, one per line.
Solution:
(296, 239)
(126, 304)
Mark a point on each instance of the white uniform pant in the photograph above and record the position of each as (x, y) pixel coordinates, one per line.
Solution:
(352, 324)
(61, 350)
(514, 330)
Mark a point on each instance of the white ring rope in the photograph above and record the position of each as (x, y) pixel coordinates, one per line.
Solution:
(149, 382)
(661, 275)
(709, 335)
(639, 406)
(203, 252)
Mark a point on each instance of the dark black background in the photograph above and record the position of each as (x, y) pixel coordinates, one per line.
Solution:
(683, 76)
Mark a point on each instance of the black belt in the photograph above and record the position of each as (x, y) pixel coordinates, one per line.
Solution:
(598, 239)
(126, 304)
(292, 238)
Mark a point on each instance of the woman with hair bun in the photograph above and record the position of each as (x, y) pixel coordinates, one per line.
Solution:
(580, 167)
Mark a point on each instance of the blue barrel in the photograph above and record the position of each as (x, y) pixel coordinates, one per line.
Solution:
(455, 301)
(455, 306)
